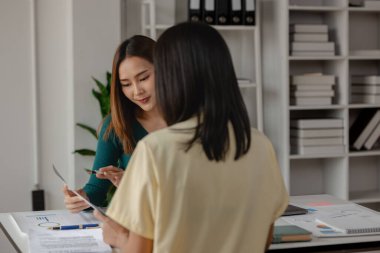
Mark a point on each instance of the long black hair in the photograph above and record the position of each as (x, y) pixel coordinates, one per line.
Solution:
(195, 77)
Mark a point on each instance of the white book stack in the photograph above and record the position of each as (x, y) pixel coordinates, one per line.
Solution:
(365, 89)
(312, 89)
(316, 136)
(310, 40)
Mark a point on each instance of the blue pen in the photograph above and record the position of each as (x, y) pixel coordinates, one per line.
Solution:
(81, 226)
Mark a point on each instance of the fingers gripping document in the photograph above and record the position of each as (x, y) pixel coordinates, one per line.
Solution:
(84, 199)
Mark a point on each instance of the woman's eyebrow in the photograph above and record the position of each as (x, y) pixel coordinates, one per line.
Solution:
(141, 72)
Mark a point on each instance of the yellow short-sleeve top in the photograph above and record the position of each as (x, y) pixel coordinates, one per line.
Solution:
(186, 203)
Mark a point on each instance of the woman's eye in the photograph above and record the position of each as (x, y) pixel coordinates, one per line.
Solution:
(125, 84)
(144, 78)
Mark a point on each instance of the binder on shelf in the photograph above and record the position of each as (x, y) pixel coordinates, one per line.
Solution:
(209, 12)
(195, 10)
(249, 12)
(363, 126)
(323, 141)
(372, 138)
(236, 13)
(365, 98)
(365, 89)
(317, 123)
(369, 79)
(315, 133)
(317, 150)
(309, 37)
(308, 28)
(222, 12)
(313, 79)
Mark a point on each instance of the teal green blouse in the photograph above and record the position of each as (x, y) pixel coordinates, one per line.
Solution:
(109, 152)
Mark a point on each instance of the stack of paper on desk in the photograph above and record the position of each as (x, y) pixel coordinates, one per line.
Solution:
(35, 225)
(338, 220)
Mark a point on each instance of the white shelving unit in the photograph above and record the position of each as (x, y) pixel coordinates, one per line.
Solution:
(352, 175)
(244, 45)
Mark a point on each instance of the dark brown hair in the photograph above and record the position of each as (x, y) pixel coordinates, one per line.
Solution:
(122, 109)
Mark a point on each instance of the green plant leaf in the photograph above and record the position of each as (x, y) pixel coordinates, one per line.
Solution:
(85, 152)
(88, 128)
(103, 95)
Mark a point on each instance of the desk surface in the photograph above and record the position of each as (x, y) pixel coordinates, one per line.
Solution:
(15, 234)
(367, 242)
(315, 245)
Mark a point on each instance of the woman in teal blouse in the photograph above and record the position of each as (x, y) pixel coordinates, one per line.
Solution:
(133, 115)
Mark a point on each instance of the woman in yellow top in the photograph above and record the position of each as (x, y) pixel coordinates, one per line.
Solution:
(208, 182)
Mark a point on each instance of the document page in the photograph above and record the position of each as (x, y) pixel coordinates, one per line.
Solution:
(42, 220)
(42, 239)
(68, 241)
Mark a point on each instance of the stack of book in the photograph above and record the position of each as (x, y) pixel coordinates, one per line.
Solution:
(312, 89)
(316, 136)
(365, 89)
(310, 40)
(365, 130)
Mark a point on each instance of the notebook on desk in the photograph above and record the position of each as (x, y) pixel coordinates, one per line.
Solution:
(354, 220)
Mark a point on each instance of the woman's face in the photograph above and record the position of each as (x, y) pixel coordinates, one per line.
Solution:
(137, 82)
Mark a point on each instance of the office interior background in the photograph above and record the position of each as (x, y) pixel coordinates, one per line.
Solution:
(51, 49)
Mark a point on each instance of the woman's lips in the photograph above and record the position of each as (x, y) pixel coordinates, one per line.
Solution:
(144, 100)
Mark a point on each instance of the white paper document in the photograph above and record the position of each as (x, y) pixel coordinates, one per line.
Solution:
(68, 241)
(41, 239)
(336, 220)
(42, 220)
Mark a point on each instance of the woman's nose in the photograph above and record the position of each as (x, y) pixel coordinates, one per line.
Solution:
(138, 89)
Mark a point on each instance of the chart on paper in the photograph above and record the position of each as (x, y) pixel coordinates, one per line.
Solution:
(45, 219)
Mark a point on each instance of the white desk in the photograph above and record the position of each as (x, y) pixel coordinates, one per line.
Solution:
(16, 236)
(336, 244)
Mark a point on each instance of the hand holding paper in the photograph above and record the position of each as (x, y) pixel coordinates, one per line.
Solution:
(73, 202)
(77, 193)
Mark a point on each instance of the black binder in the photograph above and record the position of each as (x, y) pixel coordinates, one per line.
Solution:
(209, 12)
(221, 9)
(195, 10)
(236, 13)
(249, 12)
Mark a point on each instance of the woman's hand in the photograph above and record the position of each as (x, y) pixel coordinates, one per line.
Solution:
(73, 202)
(111, 173)
(113, 233)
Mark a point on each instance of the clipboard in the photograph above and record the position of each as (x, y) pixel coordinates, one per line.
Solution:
(76, 193)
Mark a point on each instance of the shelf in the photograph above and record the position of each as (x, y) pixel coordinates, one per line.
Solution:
(362, 9)
(364, 57)
(313, 107)
(365, 196)
(217, 27)
(364, 153)
(234, 27)
(359, 106)
(317, 8)
(322, 156)
(314, 58)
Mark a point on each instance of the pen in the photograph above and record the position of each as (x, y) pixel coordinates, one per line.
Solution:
(93, 171)
(81, 226)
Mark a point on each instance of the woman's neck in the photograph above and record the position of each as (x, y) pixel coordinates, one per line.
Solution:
(151, 120)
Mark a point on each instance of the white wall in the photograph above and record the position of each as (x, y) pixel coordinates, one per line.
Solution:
(75, 39)
(16, 127)
(96, 35)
